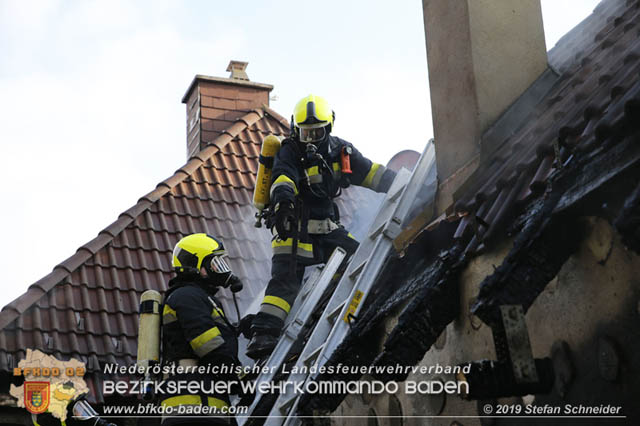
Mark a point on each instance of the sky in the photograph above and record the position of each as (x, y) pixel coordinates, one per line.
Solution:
(90, 90)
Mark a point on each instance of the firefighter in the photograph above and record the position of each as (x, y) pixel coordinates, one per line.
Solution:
(309, 171)
(196, 332)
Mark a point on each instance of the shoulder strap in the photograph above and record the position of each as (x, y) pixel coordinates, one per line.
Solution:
(214, 303)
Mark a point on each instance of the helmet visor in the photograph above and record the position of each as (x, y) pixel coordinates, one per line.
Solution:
(219, 264)
(312, 134)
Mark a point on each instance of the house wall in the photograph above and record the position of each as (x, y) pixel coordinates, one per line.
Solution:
(592, 305)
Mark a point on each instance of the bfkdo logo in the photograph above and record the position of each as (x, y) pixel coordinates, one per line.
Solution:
(36, 396)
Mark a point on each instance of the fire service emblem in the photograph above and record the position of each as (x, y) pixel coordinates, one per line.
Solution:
(36, 396)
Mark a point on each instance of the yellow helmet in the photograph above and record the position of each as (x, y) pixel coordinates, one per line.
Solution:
(197, 250)
(312, 119)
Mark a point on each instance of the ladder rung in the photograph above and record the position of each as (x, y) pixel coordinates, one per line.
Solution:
(309, 284)
(396, 194)
(331, 316)
(313, 355)
(354, 274)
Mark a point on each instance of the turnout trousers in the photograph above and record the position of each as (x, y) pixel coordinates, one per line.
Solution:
(285, 280)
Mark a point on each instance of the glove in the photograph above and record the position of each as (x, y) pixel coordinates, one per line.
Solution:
(285, 220)
(244, 327)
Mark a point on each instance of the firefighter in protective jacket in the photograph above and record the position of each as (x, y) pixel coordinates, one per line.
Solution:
(309, 171)
(195, 331)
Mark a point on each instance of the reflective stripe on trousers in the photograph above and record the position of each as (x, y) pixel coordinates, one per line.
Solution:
(285, 247)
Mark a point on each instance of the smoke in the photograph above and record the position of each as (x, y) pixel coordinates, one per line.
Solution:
(366, 208)
(427, 191)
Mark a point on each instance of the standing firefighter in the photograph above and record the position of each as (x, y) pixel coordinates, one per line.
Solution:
(308, 172)
(196, 332)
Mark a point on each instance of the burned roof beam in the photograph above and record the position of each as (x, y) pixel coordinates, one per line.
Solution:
(599, 169)
(551, 232)
(425, 318)
(434, 288)
(536, 257)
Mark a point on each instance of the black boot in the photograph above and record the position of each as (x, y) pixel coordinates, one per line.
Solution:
(261, 345)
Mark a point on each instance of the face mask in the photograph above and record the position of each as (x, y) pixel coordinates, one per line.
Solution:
(219, 265)
(216, 280)
(312, 135)
(218, 271)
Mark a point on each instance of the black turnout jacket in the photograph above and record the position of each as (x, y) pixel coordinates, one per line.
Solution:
(316, 180)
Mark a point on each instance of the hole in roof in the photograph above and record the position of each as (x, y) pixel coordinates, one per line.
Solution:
(48, 341)
(79, 321)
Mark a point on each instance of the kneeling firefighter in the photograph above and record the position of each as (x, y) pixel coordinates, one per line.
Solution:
(196, 332)
(309, 171)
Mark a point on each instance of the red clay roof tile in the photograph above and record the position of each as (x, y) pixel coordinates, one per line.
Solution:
(87, 307)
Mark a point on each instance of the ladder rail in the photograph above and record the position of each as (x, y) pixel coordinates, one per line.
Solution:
(346, 288)
(294, 326)
(356, 282)
(379, 254)
(383, 234)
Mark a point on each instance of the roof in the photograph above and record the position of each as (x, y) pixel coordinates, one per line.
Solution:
(87, 307)
(578, 138)
(588, 98)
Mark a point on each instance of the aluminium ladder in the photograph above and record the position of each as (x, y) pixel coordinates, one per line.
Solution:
(351, 291)
(300, 312)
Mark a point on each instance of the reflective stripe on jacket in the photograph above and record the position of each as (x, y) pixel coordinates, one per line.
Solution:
(317, 182)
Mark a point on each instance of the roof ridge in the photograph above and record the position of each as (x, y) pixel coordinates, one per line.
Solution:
(275, 115)
(61, 271)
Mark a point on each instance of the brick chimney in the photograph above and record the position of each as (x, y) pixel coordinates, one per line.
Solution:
(214, 103)
(482, 55)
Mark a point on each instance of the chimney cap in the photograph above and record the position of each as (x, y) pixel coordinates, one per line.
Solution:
(237, 70)
(239, 65)
(229, 81)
